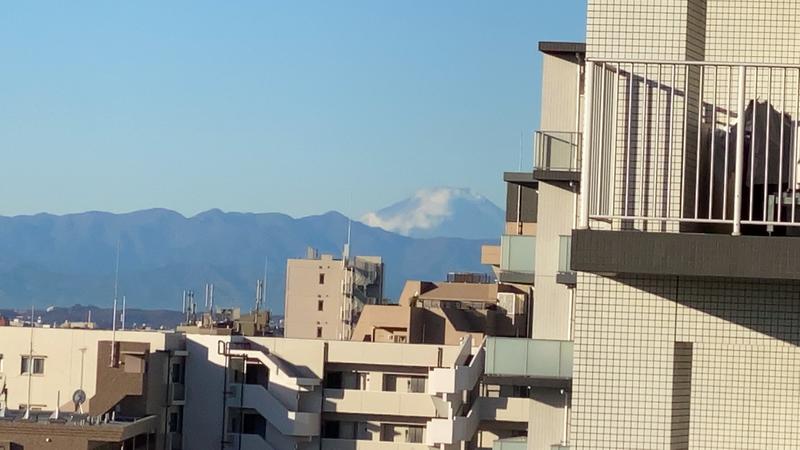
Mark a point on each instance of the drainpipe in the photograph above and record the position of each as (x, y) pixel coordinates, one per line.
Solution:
(167, 401)
(564, 437)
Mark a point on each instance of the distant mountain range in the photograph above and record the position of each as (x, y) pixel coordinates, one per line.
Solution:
(66, 260)
(134, 318)
(441, 212)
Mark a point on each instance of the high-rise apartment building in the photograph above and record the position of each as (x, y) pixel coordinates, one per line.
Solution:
(325, 295)
(688, 295)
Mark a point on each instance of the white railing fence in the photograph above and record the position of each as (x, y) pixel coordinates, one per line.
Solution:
(670, 146)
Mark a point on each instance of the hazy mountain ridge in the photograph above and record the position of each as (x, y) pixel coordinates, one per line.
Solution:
(63, 260)
(441, 212)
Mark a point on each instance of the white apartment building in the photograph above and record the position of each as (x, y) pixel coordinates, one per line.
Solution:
(688, 302)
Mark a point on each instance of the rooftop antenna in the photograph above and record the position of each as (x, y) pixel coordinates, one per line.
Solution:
(346, 253)
(114, 313)
(263, 299)
(347, 300)
(30, 366)
(519, 189)
(122, 317)
(211, 301)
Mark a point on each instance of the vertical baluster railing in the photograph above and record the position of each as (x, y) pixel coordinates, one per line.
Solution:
(737, 190)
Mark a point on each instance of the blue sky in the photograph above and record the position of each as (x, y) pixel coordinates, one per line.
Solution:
(297, 107)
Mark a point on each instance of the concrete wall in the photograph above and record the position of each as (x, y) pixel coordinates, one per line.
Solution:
(551, 304)
(560, 93)
(304, 292)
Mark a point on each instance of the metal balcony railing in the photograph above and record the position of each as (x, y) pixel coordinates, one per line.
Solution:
(671, 146)
(557, 150)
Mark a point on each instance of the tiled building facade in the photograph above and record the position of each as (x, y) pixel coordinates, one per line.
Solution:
(666, 359)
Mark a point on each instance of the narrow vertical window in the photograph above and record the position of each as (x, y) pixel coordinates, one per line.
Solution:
(319, 305)
(319, 332)
(322, 278)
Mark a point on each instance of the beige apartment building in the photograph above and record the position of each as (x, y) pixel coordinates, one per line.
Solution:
(90, 389)
(325, 296)
(688, 296)
(446, 313)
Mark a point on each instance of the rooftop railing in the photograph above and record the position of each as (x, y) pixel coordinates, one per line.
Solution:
(670, 146)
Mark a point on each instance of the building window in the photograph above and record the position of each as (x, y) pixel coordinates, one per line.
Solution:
(322, 278)
(38, 365)
(174, 422)
(319, 332)
(177, 373)
(1, 365)
(319, 305)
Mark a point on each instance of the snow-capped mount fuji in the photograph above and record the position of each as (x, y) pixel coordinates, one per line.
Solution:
(441, 212)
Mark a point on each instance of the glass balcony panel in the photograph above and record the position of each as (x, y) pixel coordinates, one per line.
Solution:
(557, 150)
(518, 253)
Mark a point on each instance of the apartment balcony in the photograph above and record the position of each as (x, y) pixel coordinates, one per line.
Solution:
(452, 431)
(706, 149)
(517, 443)
(390, 354)
(352, 444)
(464, 374)
(517, 258)
(541, 362)
(565, 274)
(558, 156)
(402, 404)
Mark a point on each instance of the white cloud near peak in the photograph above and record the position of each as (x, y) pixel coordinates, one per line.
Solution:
(427, 209)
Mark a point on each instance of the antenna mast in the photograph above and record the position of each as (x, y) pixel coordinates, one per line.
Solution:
(30, 365)
(347, 287)
(122, 317)
(114, 313)
(262, 299)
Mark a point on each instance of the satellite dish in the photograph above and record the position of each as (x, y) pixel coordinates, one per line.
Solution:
(79, 398)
